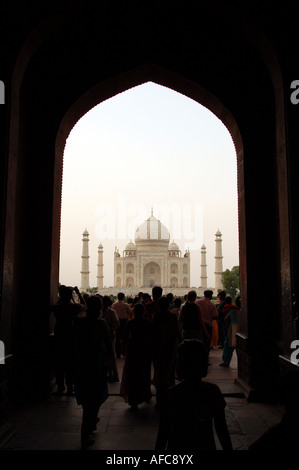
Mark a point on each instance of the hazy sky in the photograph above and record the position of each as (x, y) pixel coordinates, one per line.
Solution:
(148, 147)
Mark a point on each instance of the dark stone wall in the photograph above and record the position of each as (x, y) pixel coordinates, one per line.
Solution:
(66, 55)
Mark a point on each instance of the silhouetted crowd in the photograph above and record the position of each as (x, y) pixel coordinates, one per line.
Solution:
(165, 344)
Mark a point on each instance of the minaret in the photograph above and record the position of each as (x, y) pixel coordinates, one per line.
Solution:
(85, 261)
(100, 265)
(218, 261)
(203, 265)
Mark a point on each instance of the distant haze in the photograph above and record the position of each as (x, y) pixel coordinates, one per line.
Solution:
(149, 147)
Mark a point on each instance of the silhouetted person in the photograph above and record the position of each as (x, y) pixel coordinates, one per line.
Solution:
(166, 337)
(189, 409)
(136, 378)
(92, 347)
(110, 315)
(220, 320)
(209, 313)
(123, 311)
(177, 306)
(230, 311)
(284, 436)
(170, 298)
(65, 312)
(193, 326)
(146, 298)
(152, 306)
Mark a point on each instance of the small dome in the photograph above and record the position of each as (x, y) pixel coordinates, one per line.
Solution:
(173, 247)
(130, 246)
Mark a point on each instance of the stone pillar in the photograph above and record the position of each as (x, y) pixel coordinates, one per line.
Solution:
(218, 261)
(85, 261)
(203, 265)
(100, 275)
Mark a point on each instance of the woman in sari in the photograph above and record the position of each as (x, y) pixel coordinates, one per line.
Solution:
(136, 378)
(215, 335)
(231, 320)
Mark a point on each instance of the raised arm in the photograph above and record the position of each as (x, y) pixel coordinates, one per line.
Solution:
(82, 301)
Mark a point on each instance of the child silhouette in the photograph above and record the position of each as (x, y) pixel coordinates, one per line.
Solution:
(190, 407)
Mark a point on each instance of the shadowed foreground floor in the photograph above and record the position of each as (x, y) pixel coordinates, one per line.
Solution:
(55, 424)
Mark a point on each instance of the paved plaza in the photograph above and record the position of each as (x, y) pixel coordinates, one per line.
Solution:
(55, 423)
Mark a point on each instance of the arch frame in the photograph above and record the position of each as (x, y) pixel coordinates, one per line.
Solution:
(106, 88)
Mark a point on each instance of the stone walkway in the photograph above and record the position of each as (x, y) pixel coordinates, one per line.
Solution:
(55, 424)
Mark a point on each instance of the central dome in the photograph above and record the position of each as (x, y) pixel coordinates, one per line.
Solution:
(152, 229)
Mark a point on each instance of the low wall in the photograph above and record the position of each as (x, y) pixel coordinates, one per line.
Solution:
(132, 292)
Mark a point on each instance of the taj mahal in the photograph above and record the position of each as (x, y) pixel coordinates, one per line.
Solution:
(151, 260)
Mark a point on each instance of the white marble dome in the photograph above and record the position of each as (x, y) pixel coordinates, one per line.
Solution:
(152, 229)
(130, 246)
(173, 247)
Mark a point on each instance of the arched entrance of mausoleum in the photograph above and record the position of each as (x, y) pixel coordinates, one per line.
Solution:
(151, 274)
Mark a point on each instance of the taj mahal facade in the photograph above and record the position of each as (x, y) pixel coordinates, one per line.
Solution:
(149, 261)
(152, 260)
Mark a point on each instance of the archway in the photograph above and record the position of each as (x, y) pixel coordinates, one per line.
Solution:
(158, 75)
(203, 96)
(174, 268)
(130, 282)
(130, 268)
(255, 120)
(151, 274)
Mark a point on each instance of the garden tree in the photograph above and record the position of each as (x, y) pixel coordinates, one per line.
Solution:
(231, 281)
(92, 290)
